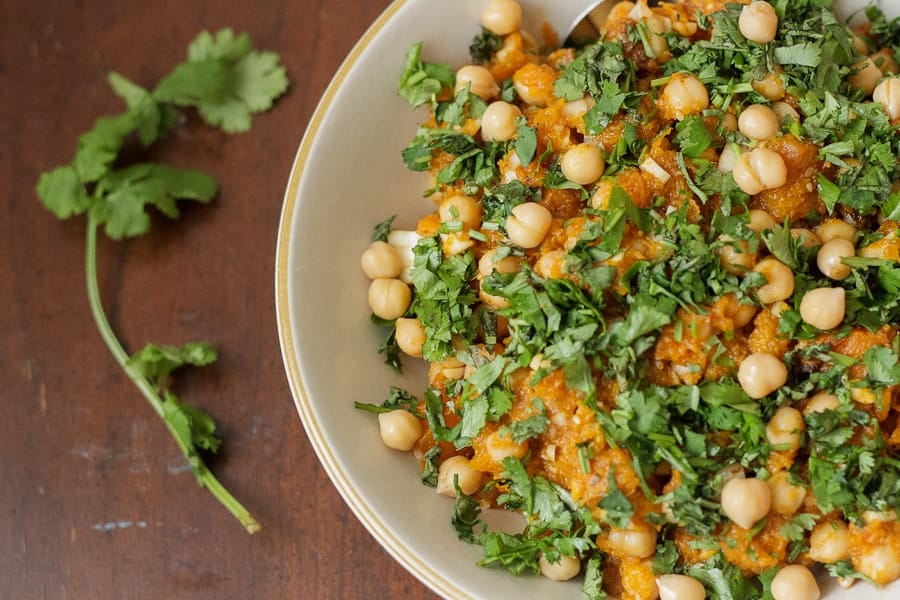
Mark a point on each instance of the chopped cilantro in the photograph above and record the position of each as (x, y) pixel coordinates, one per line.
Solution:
(381, 231)
(616, 506)
(526, 142)
(484, 45)
(422, 82)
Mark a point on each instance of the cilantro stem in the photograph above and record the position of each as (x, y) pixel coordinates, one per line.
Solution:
(204, 475)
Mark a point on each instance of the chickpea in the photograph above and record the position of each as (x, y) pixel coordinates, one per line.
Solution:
(458, 467)
(582, 164)
(824, 308)
(381, 260)
(779, 278)
(498, 122)
(632, 543)
(787, 498)
(761, 373)
(528, 224)
(551, 264)
(785, 111)
(727, 473)
(864, 395)
(501, 446)
(795, 582)
(456, 242)
(771, 86)
(759, 122)
(875, 516)
(487, 264)
(577, 108)
(835, 228)
(860, 45)
(410, 336)
(564, 569)
(492, 300)
(399, 429)
(744, 315)
(735, 257)
(729, 122)
(879, 563)
(389, 298)
(761, 221)
(728, 158)
(829, 259)
(481, 82)
(778, 307)
(786, 427)
(758, 170)
(746, 501)
(887, 94)
(884, 59)
(807, 237)
(684, 95)
(821, 402)
(502, 17)
(461, 208)
(658, 44)
(531, 92)
(680, 587)
(758, 22)
(866, 75)
(829, 542)
(449, 369)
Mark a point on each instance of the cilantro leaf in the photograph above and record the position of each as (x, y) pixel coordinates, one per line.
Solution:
(618, 509)
(121, 196)
(98, 148)
(152, 119)
(724, 580)
(434, 414)
(882, 365)
(62, 192)
(528, 428)
(806, 54)
(381, 231)
(466, 515)
(516, 554)
(484, 45)
(693, 136)
(464, 105)
(225, 79)
(526, 142)
(194, 429)
(431, 466)
(592, 587)
(422, 82)
(397, 399)
(156, 362)
(444, 299)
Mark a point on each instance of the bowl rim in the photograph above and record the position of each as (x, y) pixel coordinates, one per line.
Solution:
(285, 325)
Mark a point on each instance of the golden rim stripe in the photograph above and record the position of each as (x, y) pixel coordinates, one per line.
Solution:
(357, 504)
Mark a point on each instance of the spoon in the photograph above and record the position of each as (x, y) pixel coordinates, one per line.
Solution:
(586, 27)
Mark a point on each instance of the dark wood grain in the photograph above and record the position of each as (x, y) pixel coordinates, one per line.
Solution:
(95, 500)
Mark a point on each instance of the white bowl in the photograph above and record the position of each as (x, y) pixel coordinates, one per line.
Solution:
(347, 176)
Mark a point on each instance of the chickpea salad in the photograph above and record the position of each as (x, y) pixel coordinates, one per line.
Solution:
(658, 297)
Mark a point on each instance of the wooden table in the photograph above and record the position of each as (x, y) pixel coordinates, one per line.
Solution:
(96, 501)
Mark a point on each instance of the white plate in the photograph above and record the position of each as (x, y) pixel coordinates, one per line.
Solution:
(347, 176)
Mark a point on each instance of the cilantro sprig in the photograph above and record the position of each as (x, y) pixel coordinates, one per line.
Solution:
(226, 80)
